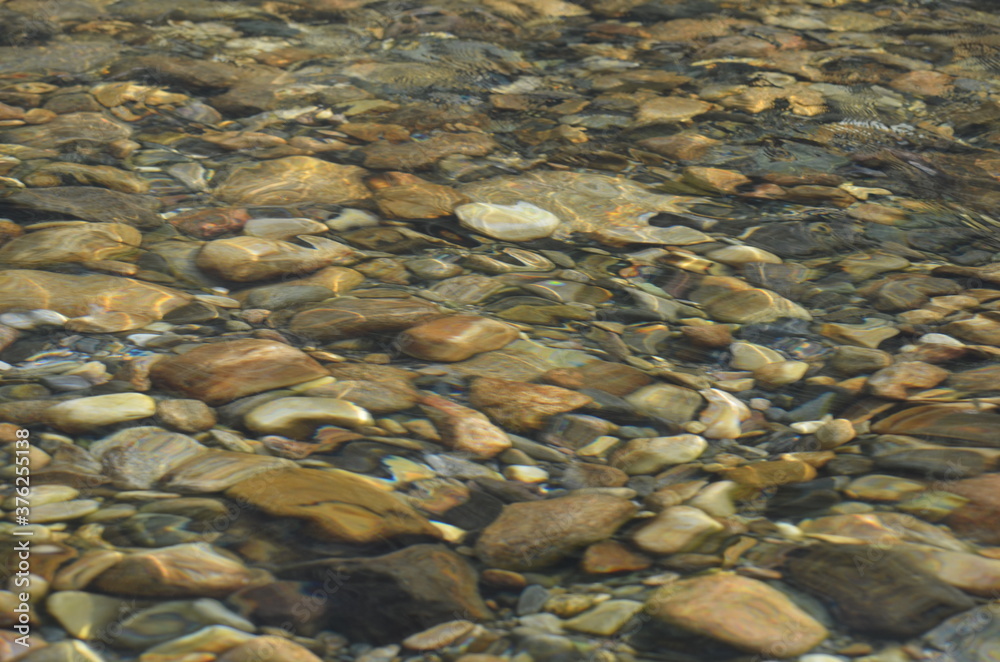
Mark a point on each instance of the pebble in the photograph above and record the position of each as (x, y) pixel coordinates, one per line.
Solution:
(652, 455)
(464, 429)
(185, 415)
(723, 415)
(300, 416)
(605, 619)
(520, 406)
(676, 529)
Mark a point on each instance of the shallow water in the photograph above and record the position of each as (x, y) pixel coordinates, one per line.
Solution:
(520, 329)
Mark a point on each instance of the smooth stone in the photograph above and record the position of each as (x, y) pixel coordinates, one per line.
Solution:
(91, 242)
(464, 429)
(875, 487)
(41, 495)
(652, 455)
(971, 573)
(673, 403)
(90, 203)
(293, 180)
(944, 421)
(742, 612)
(65, 651)
(378, 397)
(187, 570)
(520, 406)
(962, 643)
(185, 415)
(282, 295)
(849, 360)
(217, 373)
(770, 473)
(723, 415)
(977, 379)
(403, 195)
(605, 619)
(737, 256)
(32, 319)
(753, 306)
(338, 505)
(668, 110)
(387, 598)
(520, 222)
(300, 416)
(246, 259)
(979, 519)
(610, 556)
(86, 414)
(338, 280)
(455, 338)
(718, 499)
(350, 318)
(835, 433)
(978, 329)
(536, 534)
(84, 614)
(676, 529)
(774, 375)
(63, 511)
(76, 296)
(269, 648)
(748, 356)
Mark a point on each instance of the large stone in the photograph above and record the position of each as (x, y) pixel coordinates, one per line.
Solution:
(76, 296)
(875, 589)
(742, 612)
(520, 406)
(137, 458)
(245, 258)
(979, 519)
(653, 454)
(340, 506)
(293, 180)
(188, 570)
(86, 414)
(387, 598)
(536, 534)
(220, 372)
(455, 338)
(92, 241)
(349, 318)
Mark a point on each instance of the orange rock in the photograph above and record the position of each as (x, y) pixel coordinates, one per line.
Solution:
(464, 429)
(923, 83)
(521, 406)
(769, 474)
(610, 556)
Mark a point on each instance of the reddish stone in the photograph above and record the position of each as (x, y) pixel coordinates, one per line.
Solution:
(209, 223)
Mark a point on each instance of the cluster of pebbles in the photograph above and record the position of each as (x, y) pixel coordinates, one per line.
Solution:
(489, 330)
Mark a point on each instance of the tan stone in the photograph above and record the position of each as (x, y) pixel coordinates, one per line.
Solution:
(895, 381)
(742, 612)
(455, 338)
(714, 180)
(86, 414)
(220, 372)
(676, 529)
(268, 648)
(464, 429)
(667, 110)
(246, 258)
(293, 180)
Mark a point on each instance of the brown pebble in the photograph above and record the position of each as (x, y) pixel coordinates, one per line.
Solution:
(713, 336)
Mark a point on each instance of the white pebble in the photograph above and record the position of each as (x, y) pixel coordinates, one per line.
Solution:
(33, 319)
(939, 339)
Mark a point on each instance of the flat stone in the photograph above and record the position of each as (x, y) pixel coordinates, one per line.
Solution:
(293, 180)
(875, 487)
(723, 415)
(520, 222)
(464, 429)
(768, 474)
(92, 241)
(349, 318)
(386, 155)
(748, 356)
(75, 296)
(971, 573)
(403, 195)
(520, 406)
(978, 329)
(536, 534)
(676, 529)
(754, 306)
(91, 204)
(962, 643)
(979, 429)
(742, 612)
(217, 373)
(165, 621)
(979, 519)
(64, 511)
(216, 470)
(205, 643)
(848, 360)
(652, 455)
(245, 258)
(668, 110)
(91, 413)
(299, 417)
(455, 338)
(610, 556)
(339, 506)
(439, 636)
(187, 570)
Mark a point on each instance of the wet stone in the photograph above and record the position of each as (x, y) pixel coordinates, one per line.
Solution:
(86, 414)
(455, 338)
(537, 534)
(520, 406)
(358, 317)
(293, 180)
